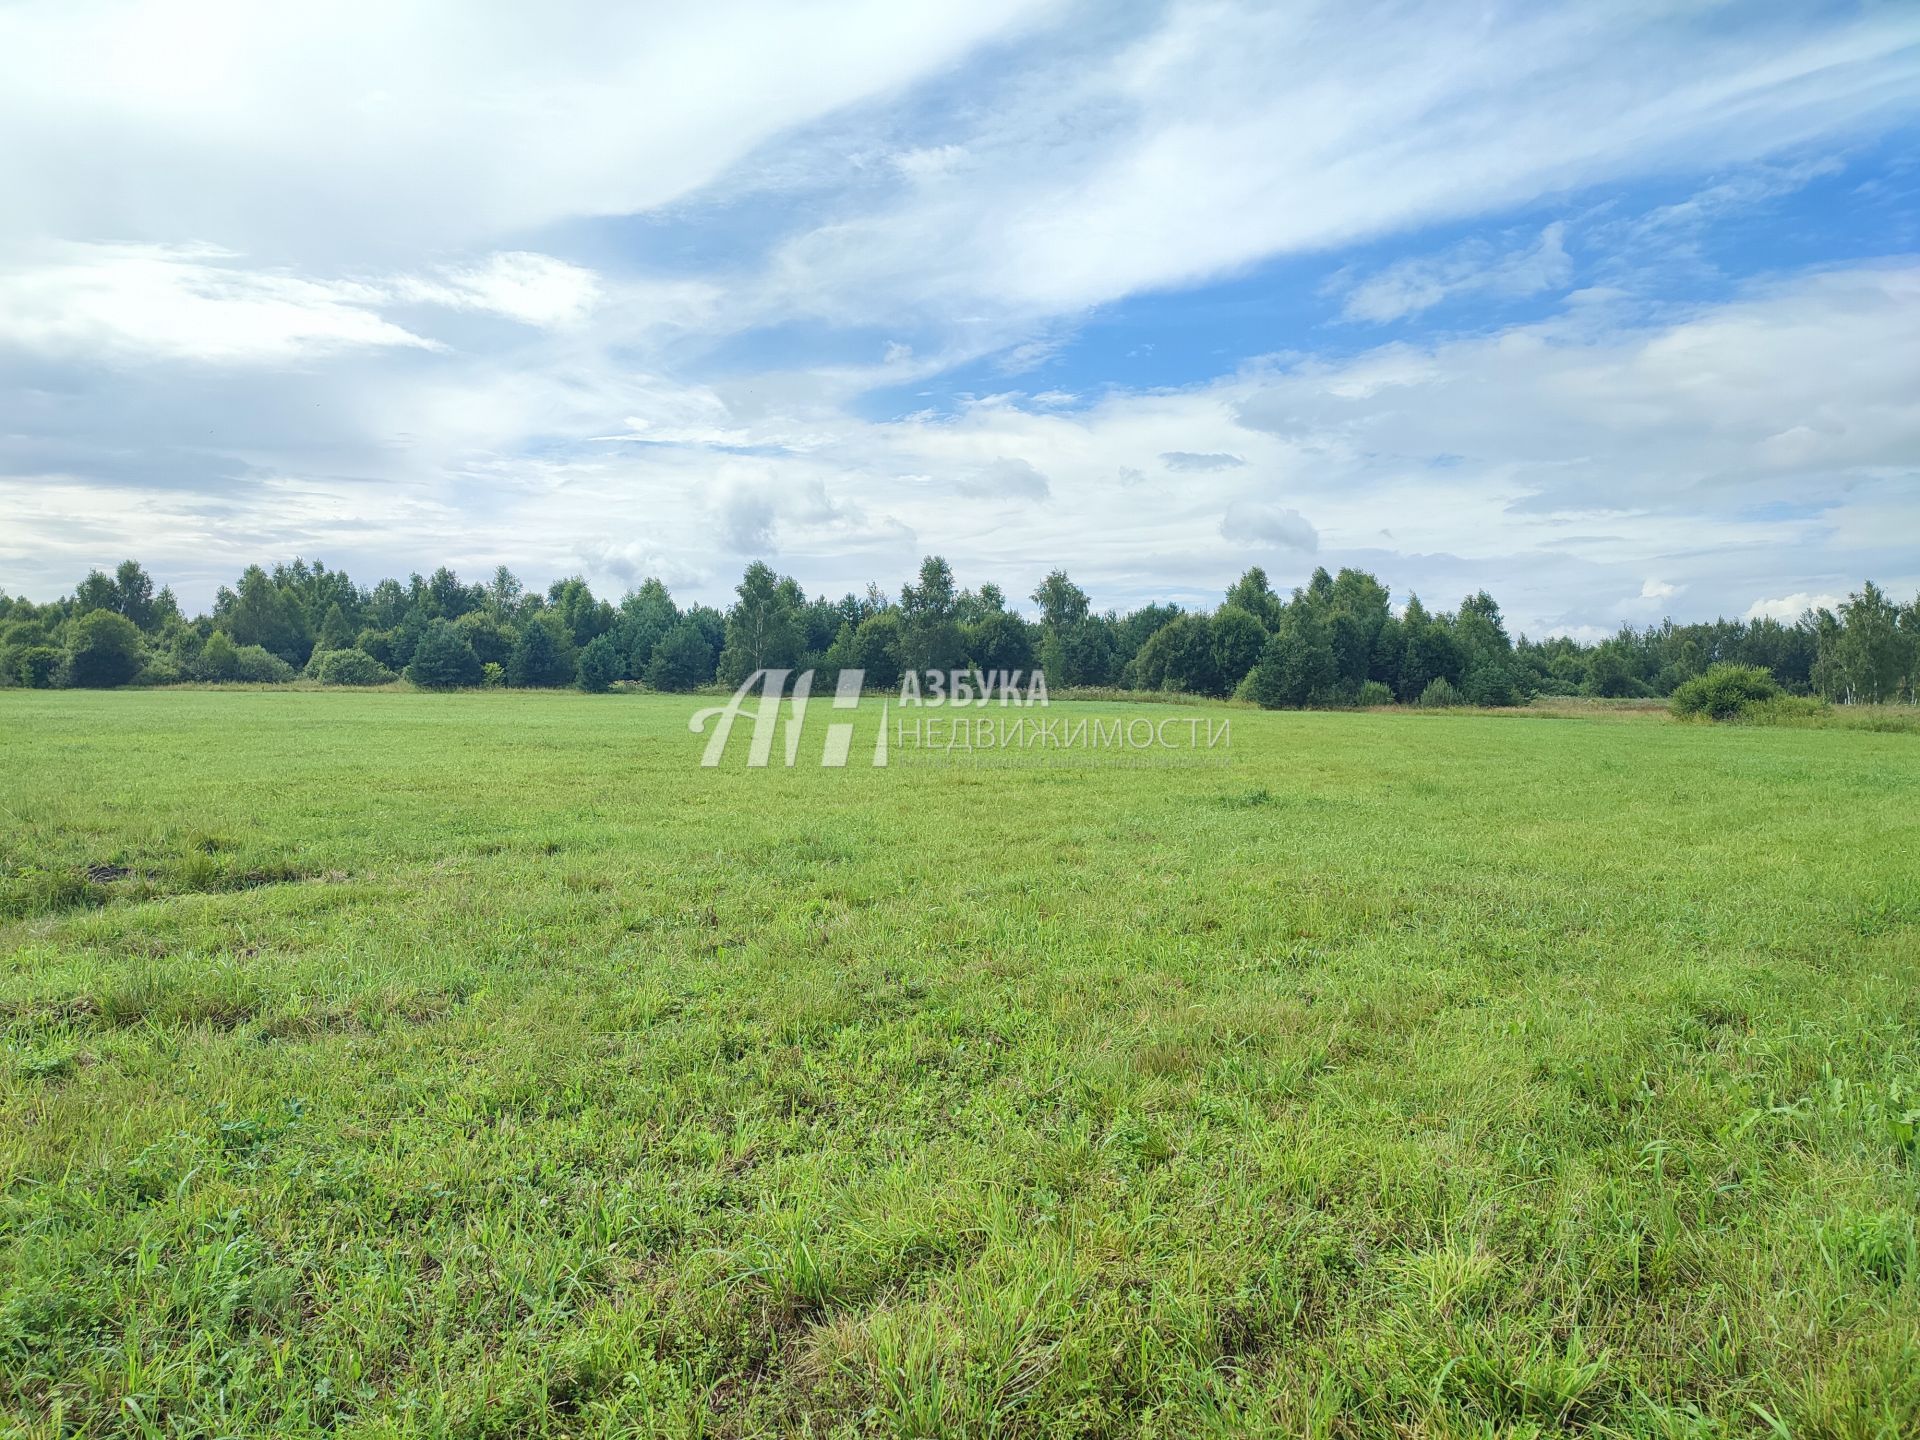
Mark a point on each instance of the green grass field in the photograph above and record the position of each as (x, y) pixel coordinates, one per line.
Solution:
(387, 1064)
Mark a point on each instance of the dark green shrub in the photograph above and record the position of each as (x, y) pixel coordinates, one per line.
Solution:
(17, 635)
(491, 640)
(543, 655)
(443, 660)
(873, 646)
(1373, 693)
(1297, 667)
(1610, 678)
(1180, 656)
(1236, 639)
(258, 665)
(1723, 691)
(161, 669)
(37, 666)
(336, 631)
(1439, 695)
(683, 659)
(1491, 681)
(350, 667)
(382, 646)
(600, 665)
(221, 659)
(103, 650)
(217, 659)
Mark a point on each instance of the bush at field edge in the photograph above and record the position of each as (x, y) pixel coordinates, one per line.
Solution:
(350, 667)
(1723, 692)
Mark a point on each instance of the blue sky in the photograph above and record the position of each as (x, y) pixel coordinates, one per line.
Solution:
(1613, 309)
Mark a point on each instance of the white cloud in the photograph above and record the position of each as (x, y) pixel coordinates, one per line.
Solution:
(929, 162)
(1580, 634)
(746, 519)
(1659, 590)
(439, 124)
(1250, 520)
(1789, 608)
(1581, 457)
(1472, 268)
(1681, 223)
(1008, 478)
(185, 303)
(1189, 461)
(200, 303)
(534, 289)
(1229, 133)
(1594, 410)
(1028, 355)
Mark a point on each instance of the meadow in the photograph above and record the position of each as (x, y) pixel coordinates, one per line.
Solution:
(478, 1065)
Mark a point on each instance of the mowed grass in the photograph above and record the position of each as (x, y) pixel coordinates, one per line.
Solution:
(387, 1064)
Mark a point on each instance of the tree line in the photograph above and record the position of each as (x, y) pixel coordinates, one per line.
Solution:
(1334, 641)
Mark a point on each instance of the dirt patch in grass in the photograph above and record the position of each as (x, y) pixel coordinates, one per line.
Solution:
(55, 891)
(359, 1018)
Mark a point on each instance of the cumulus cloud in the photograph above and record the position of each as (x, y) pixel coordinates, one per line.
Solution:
(1659, 590)
(1607, 412)
(746, 523)
(1789, 608)
(1250, 520)
(1582, 456)
(630, 563)
(1580, 634)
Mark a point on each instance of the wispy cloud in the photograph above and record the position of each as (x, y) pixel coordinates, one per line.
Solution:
(201, 303)
(1191, 461)
(1472, 268)
(120, 302)
(534, 289)
(315, 130)
(1235, 132)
